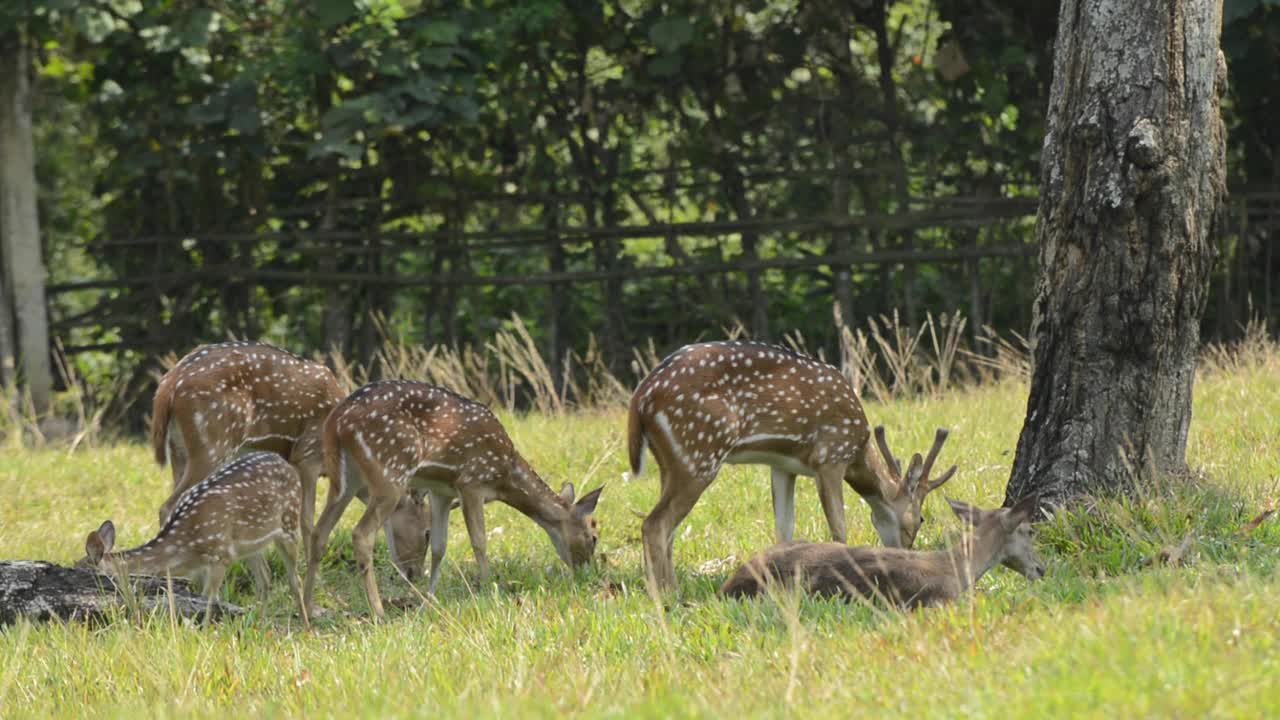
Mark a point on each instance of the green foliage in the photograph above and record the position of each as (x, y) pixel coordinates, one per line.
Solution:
(1100, 634)
(371, 117)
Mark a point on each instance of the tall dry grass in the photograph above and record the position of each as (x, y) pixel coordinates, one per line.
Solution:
(885, 359)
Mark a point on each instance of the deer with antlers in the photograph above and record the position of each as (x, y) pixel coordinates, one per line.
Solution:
(904, 578)
(394, 435)
(750, 403)
(220, 400)
(235, 513)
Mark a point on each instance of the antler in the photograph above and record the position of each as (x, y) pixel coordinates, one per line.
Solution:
(888, 456)
(938, 439)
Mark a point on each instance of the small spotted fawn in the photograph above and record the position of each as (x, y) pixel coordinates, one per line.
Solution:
(220, 400)
(395, 435)
(749, 403)
(905, 578)
(234, 513)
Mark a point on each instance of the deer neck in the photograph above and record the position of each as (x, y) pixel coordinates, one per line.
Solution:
(873, 479)
(976, 553)
(150, 558)
(526, 492)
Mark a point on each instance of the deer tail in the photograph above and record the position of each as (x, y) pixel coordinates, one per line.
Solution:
(161, 409)
(332, 450)
(636, 440)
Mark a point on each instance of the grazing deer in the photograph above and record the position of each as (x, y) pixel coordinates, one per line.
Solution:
(234, 513)
(905, 578)
(395, 435)
(750, 403)
(223, 399)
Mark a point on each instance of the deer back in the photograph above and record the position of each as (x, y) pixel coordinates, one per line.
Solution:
(709, 400)
(406, 426)
(234, 512)
(242, 391)
(896, 576)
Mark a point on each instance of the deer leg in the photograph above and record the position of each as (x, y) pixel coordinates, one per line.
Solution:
(784, 504)
(177, 455)
(339, 497)
(261, 576)
(310, 477)
(441, 506)
(362, 537)
(680, 491)
(287, 544)
(831, 494)
(213, 576)
(473, 514)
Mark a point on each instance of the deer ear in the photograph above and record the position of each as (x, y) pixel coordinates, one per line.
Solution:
(965, 511)
(1021, 512)
(107, 533)
(567, 492)
(587, 505)
(93, 548)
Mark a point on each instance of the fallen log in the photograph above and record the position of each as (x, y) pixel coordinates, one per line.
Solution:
(42, 591)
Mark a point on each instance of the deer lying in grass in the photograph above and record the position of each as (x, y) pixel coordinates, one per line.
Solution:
(395, 435)
(904, 578)
(234, 513)
(220, 400)
(750, 403)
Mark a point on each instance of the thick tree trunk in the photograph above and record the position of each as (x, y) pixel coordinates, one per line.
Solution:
(1132, 179)
(19, 225)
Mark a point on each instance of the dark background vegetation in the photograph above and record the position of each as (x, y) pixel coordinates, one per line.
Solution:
(325, 174)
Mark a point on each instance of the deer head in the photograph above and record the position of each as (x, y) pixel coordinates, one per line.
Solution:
(899, 515)
(409, 535)
(97, 545)
(1009, 529)
(577, 534)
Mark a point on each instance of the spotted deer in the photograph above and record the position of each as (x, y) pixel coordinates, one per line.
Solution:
(905, 578)
(394, 435)
(220, 400)
(235, 513)
(750, 403)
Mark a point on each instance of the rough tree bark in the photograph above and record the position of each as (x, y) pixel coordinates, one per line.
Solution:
(19, 225)
(1132, 179)
(8, 359)
(43, 591)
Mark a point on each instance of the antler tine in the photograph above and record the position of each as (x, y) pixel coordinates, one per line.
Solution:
(938, 439)
(889, 459)
(915, 473)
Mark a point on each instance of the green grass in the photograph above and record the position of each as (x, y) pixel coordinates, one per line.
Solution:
(1099, 637)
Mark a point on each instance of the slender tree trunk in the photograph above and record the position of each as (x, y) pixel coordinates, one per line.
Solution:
(1133, 177)
(8, 356)
(19, 223)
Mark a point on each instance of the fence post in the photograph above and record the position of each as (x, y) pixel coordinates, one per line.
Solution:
(557, 332)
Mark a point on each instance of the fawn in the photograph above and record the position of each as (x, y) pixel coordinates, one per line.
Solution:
(901, 577)
(234, 513)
